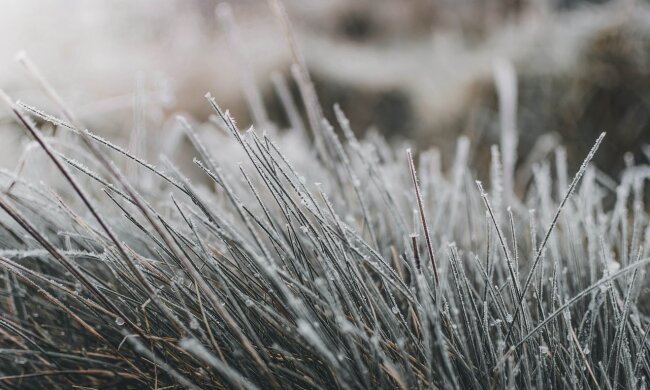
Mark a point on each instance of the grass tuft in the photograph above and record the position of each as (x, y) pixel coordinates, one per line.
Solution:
(312, 275)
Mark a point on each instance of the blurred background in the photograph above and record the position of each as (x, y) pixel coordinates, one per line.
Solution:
(421, 71)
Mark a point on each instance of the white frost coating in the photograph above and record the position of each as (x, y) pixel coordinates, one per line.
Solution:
(307, 331)
(194, 324)
(613, 266)
(336, 297)
(194, 347)
(6, 99)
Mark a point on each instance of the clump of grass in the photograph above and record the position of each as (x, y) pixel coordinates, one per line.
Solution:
(366, 269)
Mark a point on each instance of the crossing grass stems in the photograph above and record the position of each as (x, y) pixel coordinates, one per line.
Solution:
(359, 271)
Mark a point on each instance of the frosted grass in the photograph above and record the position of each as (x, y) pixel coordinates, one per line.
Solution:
(367, 268)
